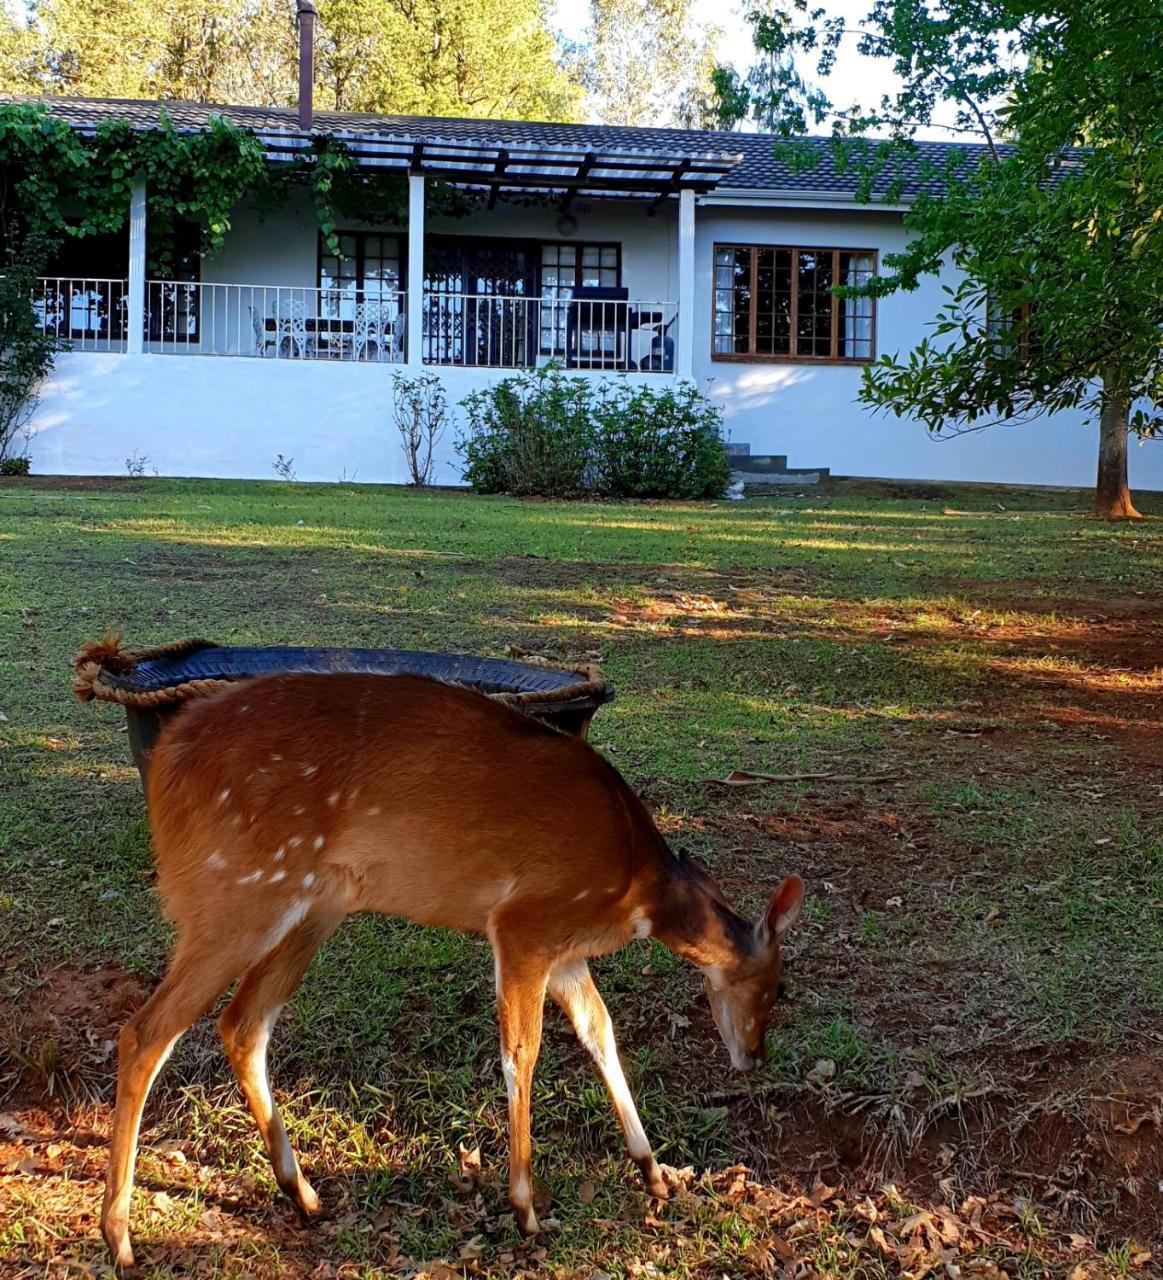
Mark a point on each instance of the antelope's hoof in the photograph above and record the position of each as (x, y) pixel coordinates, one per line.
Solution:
(655, 1182)
(305, 1199)
(120, 1250)
(527, 1222)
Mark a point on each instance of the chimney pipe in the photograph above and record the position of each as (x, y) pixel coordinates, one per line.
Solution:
(307, 13)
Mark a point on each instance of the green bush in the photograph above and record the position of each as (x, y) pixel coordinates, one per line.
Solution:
(15, 466)
(530, 434)
(659, 443)
(548, 433)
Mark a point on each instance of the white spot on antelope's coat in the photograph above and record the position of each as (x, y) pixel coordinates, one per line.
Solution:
(319, 842)
(373, 811)
(333, 799)
(253, 878)
(287, 921)
(509, 1067)
(295, 841)
(277, 877)
(577, 897)
(216, 860)
(224, 795)
(282, 849)
(309, 769)
(308, 879)
(275, 756)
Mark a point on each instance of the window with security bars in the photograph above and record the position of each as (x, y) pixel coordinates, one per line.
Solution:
(565, 267)
(776, 303)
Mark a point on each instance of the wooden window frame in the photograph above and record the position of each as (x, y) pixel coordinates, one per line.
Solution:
(762, 357)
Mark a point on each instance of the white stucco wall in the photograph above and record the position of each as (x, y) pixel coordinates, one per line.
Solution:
(810, 413)
(230, 416)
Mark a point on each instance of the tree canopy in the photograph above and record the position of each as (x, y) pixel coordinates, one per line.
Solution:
(1055, 223)
(425, 57)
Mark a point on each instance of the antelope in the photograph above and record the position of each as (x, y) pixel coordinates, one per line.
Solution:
(286, 803)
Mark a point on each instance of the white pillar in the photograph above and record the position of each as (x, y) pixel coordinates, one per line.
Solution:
(414, 310)
(135, 286)
(685, 347)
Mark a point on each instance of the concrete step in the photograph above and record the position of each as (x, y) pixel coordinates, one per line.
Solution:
(761, 463)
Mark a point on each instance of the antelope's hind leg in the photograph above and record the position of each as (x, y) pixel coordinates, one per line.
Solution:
(196, 977)
(245, 1027)
(521, 980)
(572, 986)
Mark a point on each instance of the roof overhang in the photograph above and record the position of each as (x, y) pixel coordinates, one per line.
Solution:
(776, 197)
(559, 171)
(564, 173)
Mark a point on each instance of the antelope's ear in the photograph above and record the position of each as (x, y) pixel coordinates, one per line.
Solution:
(783, 910)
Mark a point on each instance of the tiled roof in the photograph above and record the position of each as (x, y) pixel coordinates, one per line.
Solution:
(760, 169)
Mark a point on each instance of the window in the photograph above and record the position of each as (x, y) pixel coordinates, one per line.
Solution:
(565, 267)
(367, 268)
(1012, 331)
(775, 303)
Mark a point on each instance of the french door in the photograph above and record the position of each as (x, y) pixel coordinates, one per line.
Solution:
(480, 302)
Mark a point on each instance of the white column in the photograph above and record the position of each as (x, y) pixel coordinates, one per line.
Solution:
(685, 347)
(135, 286)
(413, 313)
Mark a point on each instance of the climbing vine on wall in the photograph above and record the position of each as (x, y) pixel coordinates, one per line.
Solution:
(56, 182)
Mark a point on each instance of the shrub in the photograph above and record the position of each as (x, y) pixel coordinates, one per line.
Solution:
(26, 351)
(530, 434)
(544, 432)
(659, 443)
(15, 465)
(421, 413)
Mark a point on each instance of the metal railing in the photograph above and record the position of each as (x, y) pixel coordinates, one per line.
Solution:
(516, 332)
(85, 313)
(277, 322)
(282, 322)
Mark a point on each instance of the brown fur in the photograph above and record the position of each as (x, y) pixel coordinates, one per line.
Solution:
(288, 802)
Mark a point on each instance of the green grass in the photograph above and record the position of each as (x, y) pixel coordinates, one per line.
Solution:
(997, 894)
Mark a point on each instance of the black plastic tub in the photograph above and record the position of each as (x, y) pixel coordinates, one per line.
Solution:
(154, 685)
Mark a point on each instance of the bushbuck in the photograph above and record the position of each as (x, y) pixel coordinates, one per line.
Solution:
(286, 803)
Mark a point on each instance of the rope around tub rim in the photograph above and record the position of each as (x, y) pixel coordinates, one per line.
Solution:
(101, 657)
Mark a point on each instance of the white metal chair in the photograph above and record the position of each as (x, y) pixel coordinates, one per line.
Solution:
(263, 341)
(372, 328)
(291, 327)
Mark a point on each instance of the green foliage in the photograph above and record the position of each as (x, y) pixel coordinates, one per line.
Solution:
(530, 434)
(26, 354)
(650, 63)
(1058, 233)
(471, 57)
(67, 184)
(545, 432)
(658, 443)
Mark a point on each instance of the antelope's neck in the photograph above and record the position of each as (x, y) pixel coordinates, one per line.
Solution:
(693, 923)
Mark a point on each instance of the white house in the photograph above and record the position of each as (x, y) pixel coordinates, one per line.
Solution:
(621, 252)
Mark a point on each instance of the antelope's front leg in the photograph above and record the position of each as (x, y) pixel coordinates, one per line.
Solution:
(572, 986)
(521, 983)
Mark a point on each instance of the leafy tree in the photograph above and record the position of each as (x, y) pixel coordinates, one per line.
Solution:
(452, 57)
(650, 64)
(1056, 223)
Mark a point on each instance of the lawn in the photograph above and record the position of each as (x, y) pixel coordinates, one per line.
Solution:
(967, 1077)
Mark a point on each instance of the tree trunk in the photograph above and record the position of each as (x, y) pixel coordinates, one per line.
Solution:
(1112, 494)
